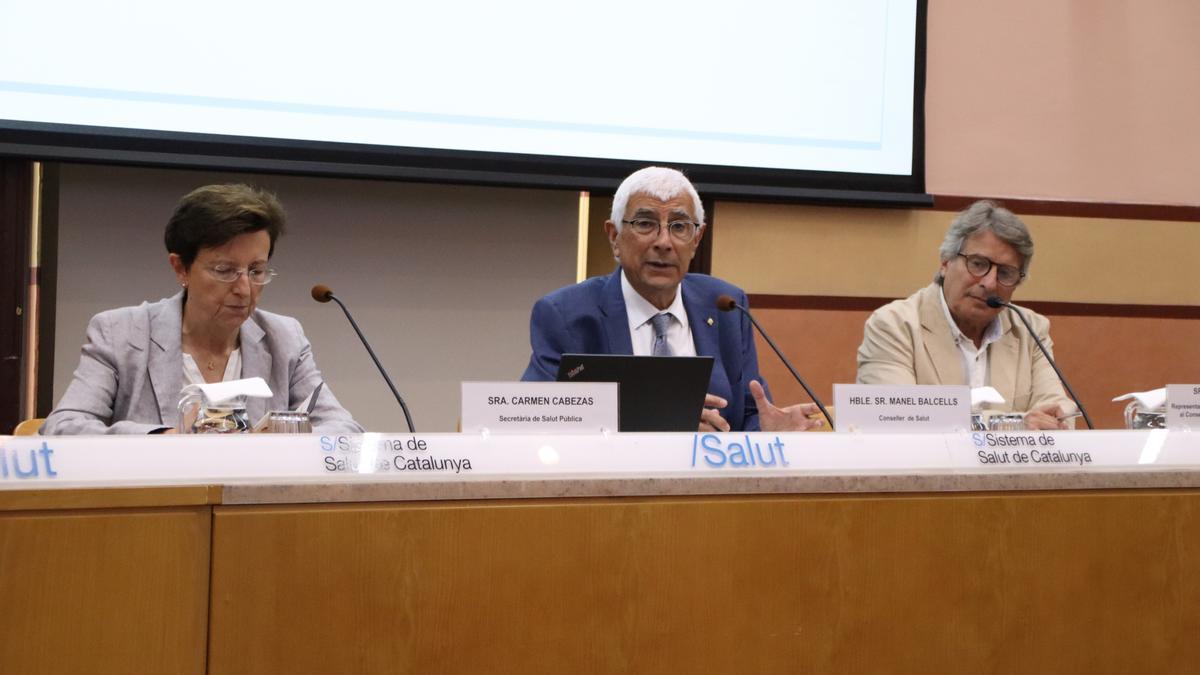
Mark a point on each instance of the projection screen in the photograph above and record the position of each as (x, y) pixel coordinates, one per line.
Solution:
(768, 98)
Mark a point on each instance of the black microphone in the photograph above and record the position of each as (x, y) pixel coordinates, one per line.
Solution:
(321, 293)
(728, 304)
(996, 303)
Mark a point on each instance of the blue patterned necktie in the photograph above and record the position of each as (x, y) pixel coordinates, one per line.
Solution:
(661, 347)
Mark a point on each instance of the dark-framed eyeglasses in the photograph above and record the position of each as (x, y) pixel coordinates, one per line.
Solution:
(979, 266)
(259, 276)
(683, 231)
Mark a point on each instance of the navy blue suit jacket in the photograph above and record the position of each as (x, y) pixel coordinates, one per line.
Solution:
(590, 318)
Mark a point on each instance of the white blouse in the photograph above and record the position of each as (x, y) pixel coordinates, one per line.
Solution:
(192, 374)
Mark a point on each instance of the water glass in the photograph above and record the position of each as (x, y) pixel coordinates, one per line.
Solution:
(288, 422)
(1006, 422)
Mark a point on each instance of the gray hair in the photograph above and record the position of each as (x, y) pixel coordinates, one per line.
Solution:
(658, 182)
(986, 215)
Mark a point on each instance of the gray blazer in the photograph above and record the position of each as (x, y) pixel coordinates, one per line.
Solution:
(131, 372)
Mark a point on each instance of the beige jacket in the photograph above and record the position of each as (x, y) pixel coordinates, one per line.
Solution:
(909, 342)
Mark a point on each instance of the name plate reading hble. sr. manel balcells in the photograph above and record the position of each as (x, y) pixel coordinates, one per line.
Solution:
(539, 407)
(1183, 407)
(902, 408)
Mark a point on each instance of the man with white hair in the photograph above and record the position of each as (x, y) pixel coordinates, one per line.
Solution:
(947, 333)
(651, 306)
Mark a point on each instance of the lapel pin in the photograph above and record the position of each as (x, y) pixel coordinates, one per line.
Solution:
(710, 321)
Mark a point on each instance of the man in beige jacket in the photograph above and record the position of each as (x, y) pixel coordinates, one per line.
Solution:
(946, 333)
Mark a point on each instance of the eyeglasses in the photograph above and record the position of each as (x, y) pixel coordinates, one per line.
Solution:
(259, 276)
(683, 231)
(979, 266)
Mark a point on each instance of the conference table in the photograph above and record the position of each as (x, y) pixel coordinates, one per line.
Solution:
(988, 552)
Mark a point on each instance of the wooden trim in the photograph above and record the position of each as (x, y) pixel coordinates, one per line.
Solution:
(581, 245)
(47, 288)
(1051, 207)
(821, 302)
(33, 303)
(109, 498)
(702, 261)
(1049, 308)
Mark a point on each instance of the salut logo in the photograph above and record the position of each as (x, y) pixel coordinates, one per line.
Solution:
(373, 442)
(374, 454)
(1024, 449)
(738, 453)
(26, 464)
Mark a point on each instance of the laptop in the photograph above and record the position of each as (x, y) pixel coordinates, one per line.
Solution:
(656, 393)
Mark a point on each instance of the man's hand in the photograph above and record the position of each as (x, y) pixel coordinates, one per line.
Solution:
(792, 418)
(710, 419)
(1045, 418)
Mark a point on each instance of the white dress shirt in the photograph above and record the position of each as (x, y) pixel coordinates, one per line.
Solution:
(641, 331)
(974, 359)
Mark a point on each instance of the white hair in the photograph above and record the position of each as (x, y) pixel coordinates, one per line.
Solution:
(658, 182)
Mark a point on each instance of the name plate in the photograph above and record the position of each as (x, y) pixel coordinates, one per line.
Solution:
(533, 407)
(902, 408)
(1183, 406)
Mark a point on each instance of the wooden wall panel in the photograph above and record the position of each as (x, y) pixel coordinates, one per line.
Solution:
(821, 344)
(1035, 583)
(1107, 356)
(790, 249)
(104, 591)
(1102, 357)
(599, 252)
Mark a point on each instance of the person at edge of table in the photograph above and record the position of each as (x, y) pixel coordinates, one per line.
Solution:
(651, 306)
(136, 360)
(947, 334)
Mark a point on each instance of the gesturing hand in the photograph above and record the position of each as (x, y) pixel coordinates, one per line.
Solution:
(710, 418)
(792, 418)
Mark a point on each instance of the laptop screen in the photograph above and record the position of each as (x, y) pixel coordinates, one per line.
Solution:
(657, 393)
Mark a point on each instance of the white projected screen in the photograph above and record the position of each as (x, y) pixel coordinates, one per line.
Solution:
(780, 84)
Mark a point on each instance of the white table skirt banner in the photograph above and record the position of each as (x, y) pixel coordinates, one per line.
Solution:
(70, 461)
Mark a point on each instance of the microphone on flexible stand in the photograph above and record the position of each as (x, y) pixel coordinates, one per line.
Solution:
(322, 293)
(996, 303)
(727, 304)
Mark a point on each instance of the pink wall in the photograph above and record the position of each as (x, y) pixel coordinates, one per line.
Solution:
(1080, 100)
